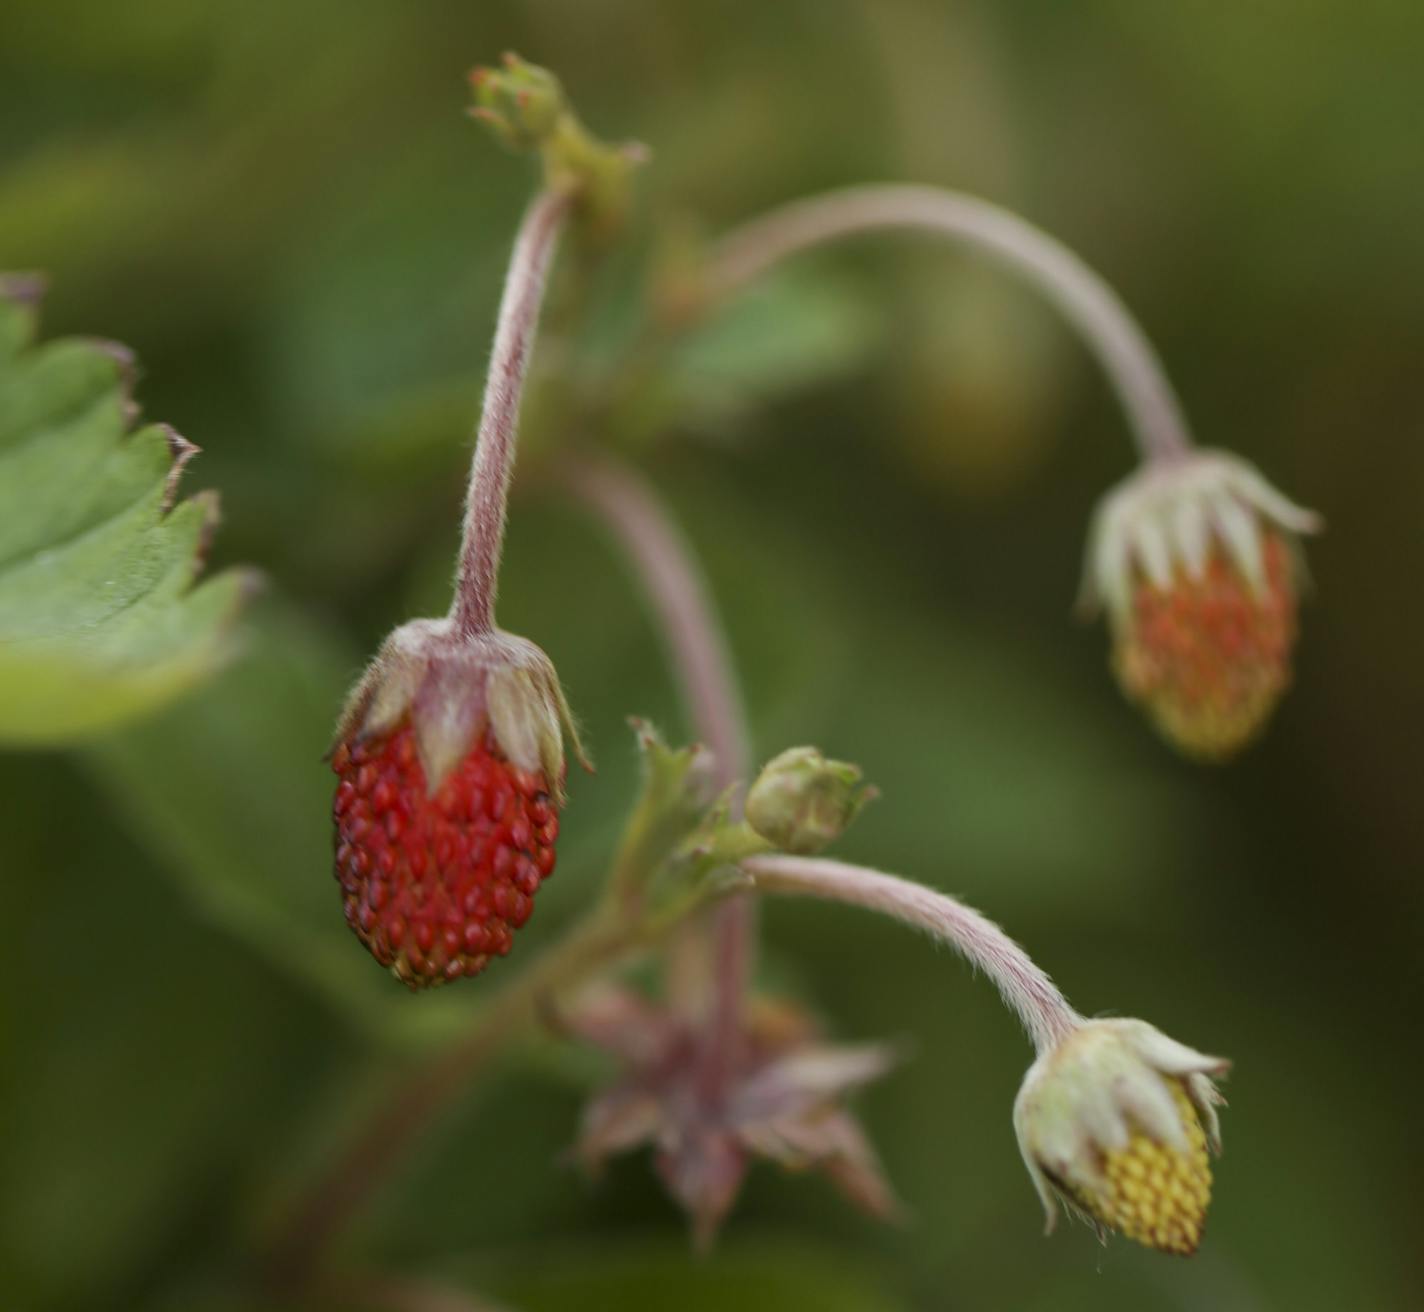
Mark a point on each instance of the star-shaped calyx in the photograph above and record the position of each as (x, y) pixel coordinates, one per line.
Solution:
(780, 1095)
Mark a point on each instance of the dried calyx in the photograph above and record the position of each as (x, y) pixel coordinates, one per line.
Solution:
(783, 1098)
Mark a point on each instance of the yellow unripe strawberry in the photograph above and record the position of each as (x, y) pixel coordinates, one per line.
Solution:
(1153, 1192)
(1116, 1121)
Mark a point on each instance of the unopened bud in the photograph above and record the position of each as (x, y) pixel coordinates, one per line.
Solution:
(519, 102)
(526, 109)
(802, 802)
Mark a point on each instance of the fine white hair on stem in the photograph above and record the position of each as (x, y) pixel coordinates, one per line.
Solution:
(476, 581)
(1028, 991)
(1090, 304)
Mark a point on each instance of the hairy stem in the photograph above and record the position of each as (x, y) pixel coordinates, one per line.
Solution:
(1027, 990)
(1105, 323)
(477, 579)
(686, 615)
(382, 1141)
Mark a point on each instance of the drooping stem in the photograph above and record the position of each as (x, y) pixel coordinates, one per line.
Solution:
(1027, 990)
(716, 957)
(477, 579)
(1105, 323)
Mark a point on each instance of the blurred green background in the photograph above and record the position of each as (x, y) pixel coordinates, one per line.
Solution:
(888, 461)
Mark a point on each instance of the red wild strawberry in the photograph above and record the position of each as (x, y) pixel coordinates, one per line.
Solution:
(450, 766)
(435, 885)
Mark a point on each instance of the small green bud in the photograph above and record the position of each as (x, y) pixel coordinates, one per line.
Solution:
(520, 103)
(524, 106)
(801, 802)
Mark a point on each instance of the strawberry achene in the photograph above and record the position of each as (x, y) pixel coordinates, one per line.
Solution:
(436, 884)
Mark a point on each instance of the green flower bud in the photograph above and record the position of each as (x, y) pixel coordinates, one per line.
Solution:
(521, 103)
(801, 802)
(525, 107)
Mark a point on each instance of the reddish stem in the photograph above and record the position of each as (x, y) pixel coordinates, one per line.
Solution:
(1028, 991)
(477, 580)
(1101, 318)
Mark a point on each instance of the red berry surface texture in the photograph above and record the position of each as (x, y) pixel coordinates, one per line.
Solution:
(436, 884)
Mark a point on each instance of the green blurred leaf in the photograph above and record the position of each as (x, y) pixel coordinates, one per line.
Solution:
(980, 389)
(99, 621)
(787, 334)
(143, 1055)
(230, 788)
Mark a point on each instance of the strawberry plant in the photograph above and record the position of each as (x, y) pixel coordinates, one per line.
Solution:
(407, 894)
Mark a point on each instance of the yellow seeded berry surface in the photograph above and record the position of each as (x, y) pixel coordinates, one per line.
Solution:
(1154, 1193)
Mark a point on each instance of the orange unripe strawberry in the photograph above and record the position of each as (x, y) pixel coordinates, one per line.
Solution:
(1209, 656)
(1197, 562)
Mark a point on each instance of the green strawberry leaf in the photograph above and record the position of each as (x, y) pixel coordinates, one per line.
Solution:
(790, 333)
(99, 618)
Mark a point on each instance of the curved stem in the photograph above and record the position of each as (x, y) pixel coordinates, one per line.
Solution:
(477, 579)
(1105, 323)
(1028, 991)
